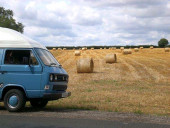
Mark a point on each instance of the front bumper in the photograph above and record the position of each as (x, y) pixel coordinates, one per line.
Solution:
(55, 96)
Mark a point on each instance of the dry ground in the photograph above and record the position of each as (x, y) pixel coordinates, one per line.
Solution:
(139, 82)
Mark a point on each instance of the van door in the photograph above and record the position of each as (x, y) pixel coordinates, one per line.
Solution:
(18, 72)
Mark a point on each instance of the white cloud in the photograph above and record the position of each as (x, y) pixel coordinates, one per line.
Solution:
(93, 22)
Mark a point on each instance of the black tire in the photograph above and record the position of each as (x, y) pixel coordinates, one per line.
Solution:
(21, 100)
(38, 103)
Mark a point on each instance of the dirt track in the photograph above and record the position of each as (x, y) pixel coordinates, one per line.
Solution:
(94, 115)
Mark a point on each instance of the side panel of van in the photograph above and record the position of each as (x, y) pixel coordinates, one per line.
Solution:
(1, 79)
(26, 76)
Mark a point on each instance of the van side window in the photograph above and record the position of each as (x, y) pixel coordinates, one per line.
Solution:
(18, 57)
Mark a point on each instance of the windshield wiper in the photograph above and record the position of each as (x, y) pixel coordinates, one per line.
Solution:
(55, 64)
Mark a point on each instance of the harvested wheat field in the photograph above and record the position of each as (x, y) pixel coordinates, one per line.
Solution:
(138, 82)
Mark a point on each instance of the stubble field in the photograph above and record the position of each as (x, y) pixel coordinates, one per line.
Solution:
(138, 82)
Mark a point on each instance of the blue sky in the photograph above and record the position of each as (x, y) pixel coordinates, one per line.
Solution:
(93, 22)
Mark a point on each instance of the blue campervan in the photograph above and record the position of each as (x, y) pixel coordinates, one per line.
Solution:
(28, 72)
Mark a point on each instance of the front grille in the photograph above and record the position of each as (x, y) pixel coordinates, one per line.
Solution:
(62, 78)
(59, 87)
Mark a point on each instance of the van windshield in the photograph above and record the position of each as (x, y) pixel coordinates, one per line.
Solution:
(47, 58)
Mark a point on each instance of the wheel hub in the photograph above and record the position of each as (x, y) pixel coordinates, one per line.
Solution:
(13, 101)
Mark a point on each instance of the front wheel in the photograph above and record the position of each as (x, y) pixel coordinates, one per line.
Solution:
(38, 103)
(14, 100)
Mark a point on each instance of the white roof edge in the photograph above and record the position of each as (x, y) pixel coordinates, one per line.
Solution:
(13, 39)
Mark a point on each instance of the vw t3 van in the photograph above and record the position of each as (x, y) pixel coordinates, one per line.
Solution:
(28, 72)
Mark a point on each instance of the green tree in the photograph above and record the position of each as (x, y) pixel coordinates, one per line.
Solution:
(7, 20)
(163, 42)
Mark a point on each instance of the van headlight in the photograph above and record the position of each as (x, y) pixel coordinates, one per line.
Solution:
(58, 78)
(55, 77)
(51, 77)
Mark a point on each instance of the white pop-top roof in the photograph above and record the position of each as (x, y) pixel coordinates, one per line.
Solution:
(13, 39)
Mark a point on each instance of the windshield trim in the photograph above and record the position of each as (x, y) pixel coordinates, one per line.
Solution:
(50, 65)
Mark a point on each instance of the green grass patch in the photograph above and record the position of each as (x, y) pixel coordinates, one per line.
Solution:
(138, 112)
(105, 82)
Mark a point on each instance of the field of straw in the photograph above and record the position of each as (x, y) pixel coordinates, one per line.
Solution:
(137, 83)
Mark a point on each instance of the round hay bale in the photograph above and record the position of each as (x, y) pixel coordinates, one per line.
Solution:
(122, 48)
(64, 48)
(54, 49)
(127, 51)
(151, 47)
(136, 49)
(130, 51)
(100, 48)
(59, 49)
(111, 58)
(77, 53)
(141, 47)
(92, 48)
(83, 49)
(167, 49)
(85, 65)
(113, 48)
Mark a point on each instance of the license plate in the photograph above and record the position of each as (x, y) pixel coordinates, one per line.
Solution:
(64, 94)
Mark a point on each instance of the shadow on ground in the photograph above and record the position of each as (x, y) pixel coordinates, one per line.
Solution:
(28, 109)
